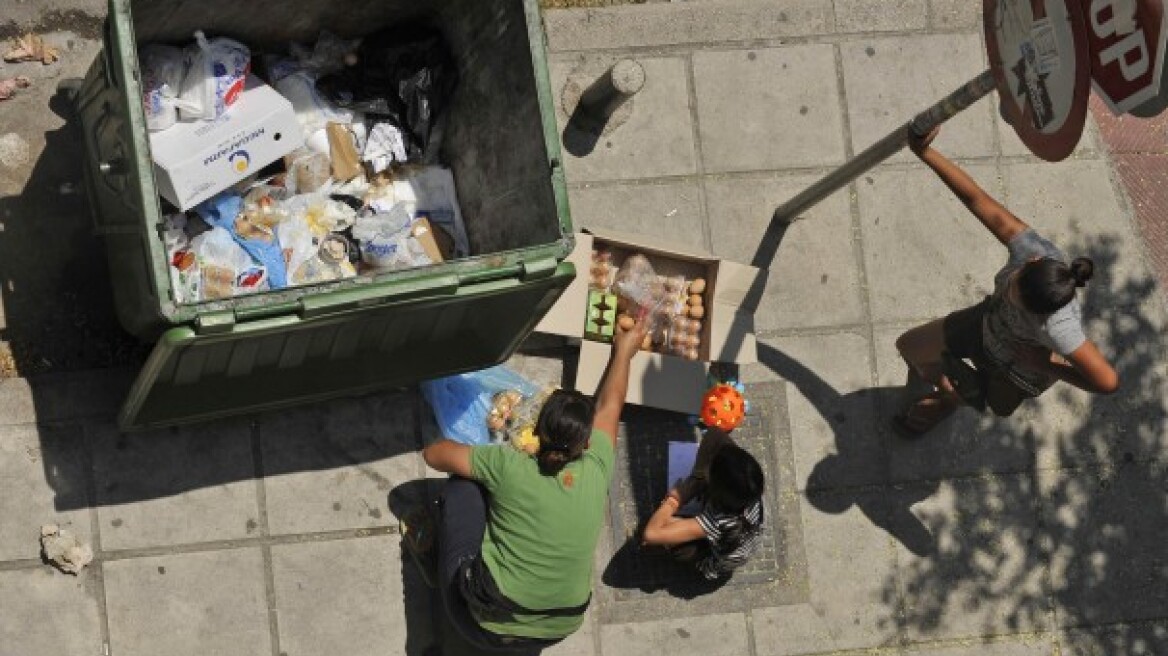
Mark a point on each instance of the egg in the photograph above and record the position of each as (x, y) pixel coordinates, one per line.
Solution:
(697, 312)
(697, 286)
(625, 322)
(695, 300)
(695, 327)
(691, 354)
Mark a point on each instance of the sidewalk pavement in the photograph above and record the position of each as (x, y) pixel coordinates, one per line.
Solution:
(1044, 534)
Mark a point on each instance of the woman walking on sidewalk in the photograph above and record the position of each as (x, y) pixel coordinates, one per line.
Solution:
(1022, 339)
(516, 534)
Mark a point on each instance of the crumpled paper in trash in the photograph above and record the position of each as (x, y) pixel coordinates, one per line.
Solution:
(64, 550)
(31, 47)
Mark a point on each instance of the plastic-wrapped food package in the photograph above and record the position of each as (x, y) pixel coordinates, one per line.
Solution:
(163, 69)
(386, 241)
(463, 404)
(429, 192)
(217, 69)
(637, 283)
(185, 279)
(227, 270)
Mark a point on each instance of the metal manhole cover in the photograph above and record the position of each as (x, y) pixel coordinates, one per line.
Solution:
(639, 485)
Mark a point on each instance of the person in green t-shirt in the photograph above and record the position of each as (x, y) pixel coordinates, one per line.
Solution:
(517, 534)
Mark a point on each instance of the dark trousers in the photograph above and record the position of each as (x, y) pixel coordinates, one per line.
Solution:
(461, 526)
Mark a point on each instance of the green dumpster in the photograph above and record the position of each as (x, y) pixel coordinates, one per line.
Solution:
(288, 347)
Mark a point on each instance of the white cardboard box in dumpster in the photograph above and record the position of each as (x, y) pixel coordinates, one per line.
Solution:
(196, 160)
(658, 380)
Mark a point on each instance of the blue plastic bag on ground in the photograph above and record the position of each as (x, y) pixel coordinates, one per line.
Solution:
(462, 403)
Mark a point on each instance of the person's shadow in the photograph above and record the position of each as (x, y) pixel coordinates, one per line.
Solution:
(848, 477)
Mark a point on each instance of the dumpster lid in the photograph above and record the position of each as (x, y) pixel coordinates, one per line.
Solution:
(434, 328)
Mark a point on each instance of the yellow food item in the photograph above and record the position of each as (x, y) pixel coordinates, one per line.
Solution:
(695, 300)
(697, 312)
(625, 322)
(526, 441)
(697, 286)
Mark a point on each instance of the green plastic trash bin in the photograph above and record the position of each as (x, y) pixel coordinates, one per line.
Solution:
(291, 346)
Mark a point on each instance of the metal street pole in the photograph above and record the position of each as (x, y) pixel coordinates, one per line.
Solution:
(920, 125)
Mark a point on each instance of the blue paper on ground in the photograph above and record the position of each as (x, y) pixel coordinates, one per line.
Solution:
(682, 456)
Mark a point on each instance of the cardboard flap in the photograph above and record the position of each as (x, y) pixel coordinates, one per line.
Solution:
(650, 243)
(739, 286)
(732, 337)
(566, 318)
(655, 380)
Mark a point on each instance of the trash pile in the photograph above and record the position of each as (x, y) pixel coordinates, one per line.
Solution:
(319, 166)
(673, 305)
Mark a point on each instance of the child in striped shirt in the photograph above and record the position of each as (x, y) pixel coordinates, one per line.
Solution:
(714, 517)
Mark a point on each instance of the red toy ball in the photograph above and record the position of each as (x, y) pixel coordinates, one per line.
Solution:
(723, 407)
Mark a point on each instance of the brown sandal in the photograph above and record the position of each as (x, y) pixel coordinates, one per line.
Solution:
(924, 415)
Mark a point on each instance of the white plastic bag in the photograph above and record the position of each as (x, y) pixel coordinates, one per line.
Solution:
(227, 269)
(163, 69)
(429, 191)
(386, 242)
(313, 111)
(216, 73)
(185, 279)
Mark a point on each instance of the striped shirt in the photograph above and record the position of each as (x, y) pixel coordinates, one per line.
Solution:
(727, 553)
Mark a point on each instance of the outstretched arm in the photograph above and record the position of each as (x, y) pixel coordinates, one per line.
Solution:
(996, 218)
(614, 386)
(1085, 368)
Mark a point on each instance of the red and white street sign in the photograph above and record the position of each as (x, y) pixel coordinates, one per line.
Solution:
(1038, 54)
(1126, 42)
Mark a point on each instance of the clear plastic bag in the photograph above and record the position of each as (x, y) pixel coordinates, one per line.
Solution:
(215, 77)
(462, 404)
(227, 270)
(163, 69)
(637, 283)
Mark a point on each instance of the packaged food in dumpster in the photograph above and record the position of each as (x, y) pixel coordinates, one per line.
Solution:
(227, 270)
(215, 77)
(163, 69)
(429, 191)
(183, 264)
(387, 243)
(405, 74)
(463, 403)
(253, 228)
(313, 110)
(307, 172)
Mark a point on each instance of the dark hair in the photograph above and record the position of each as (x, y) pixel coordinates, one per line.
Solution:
(735, 480)
(1047, 285)
(563, 427)
(735, 483)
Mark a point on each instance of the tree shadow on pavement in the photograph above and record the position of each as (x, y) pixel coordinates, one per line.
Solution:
(1079, 539)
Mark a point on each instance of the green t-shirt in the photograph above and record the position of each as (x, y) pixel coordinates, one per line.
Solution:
(542, 532)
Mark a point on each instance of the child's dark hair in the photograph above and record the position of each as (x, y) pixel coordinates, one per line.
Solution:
(735, 480)
(1047, 285)
(563, 427)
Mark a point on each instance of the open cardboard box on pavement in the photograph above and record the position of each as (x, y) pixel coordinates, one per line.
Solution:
(659, 380)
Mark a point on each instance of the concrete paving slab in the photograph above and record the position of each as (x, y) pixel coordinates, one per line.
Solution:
(174, 486)
(654, 209)
(986, 574)
(47, 612)
(1137, 639)
(332, 467)
(1074, 204)
(880, 15)
(889, 80)
(849, 560)
(816, 259)
(831, 404)
(925, 254)
(326, 590)
(188, 605)
(63, 397)
(955, 15)
(1106, 528)
(1036, 646)
(656, 141)
(768, 108)
(967, 444)
(712, 635)
(684, 23)
(43, 480)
